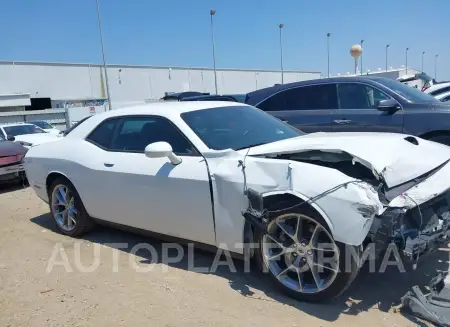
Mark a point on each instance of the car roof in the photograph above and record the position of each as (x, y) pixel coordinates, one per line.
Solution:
(167, 109)
(212, 97)
(257, 96)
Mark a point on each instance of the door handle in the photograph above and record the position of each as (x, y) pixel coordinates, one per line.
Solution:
(109, 165)
(342, 121)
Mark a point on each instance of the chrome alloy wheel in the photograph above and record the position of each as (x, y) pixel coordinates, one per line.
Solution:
(63, 208)
(300, 253)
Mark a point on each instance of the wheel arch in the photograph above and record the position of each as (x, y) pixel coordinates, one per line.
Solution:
(289, 198)
(293, 198)
(52, 176)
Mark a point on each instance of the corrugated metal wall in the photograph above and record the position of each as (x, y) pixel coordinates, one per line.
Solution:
(130, 83)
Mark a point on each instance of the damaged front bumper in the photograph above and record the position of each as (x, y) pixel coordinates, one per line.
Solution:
(418, 220)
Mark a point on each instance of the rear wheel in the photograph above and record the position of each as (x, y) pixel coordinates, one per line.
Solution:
(301, 257)
(67, 209)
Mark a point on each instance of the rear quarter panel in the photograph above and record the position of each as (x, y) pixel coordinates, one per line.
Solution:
(55, 157)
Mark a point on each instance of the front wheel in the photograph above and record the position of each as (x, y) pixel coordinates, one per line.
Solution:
(301, 257)
(67, 209)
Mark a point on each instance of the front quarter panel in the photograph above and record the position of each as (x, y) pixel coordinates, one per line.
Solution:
(306, 181)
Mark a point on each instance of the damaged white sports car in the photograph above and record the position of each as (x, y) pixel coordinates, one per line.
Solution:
(226, 175)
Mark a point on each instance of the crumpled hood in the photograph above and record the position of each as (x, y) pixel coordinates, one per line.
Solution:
(390, 156)
(37, 138)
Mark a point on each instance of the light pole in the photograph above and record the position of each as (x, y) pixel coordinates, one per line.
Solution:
(328, 53)
(362, 41)
(387, 46)
(281, 54)
(422, 60)
(103, 55)
(406, 64)
(435, 66)
(212, 12)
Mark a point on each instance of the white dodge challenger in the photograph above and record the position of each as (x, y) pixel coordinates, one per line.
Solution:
(227, 175)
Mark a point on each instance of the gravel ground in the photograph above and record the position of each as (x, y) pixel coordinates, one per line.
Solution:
(169, 294)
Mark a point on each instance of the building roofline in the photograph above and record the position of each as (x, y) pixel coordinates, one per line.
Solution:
(12, 62)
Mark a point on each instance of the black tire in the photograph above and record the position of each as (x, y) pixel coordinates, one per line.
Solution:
(348, 264)
(83, 222)
(443, 139)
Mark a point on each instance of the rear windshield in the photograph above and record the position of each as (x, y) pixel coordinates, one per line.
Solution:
(78, 123)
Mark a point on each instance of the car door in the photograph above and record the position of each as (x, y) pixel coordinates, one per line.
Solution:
(358, 110)
(151, 193)
(308, 108)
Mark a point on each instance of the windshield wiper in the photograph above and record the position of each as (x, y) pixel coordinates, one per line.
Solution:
(250, 146)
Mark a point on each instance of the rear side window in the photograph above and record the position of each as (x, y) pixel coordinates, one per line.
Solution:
(314, 97)
(102, 135)
(440, 91)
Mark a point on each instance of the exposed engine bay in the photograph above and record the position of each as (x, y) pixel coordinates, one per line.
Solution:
(414, 230)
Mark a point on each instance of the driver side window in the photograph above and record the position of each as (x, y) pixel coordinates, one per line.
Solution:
(135, 133)
(359, 96)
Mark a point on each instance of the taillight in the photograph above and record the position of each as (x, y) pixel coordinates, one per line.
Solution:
(10, 159)
(425, 88)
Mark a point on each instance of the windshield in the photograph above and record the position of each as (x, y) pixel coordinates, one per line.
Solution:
(237, 127)
(409, 93)
(22, 130)
(42, 124)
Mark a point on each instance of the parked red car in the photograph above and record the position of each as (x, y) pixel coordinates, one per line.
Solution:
(11, 156)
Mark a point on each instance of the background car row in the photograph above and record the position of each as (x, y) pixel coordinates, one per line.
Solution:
(354, 104)
(15, 140)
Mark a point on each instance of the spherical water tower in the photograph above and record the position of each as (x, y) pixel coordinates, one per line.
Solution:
(356, 52)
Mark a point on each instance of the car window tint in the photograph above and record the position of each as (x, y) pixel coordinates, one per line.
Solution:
(445, 99)
(22, 130)
(440, 91)
(302, 98)
(103, 133)
(135, 133)
(359, 96)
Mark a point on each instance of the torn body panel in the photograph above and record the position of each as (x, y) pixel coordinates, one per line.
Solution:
(341, 200)
(351, 198)
(420, 216)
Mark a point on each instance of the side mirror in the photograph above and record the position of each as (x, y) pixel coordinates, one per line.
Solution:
(387, 105)
(161, 150)
(11, 138)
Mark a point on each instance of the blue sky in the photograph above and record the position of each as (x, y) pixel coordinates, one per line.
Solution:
(177, 32)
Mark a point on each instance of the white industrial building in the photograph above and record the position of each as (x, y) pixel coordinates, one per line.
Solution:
(65, 82)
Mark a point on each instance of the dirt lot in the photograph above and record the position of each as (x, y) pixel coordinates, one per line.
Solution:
(169, 294)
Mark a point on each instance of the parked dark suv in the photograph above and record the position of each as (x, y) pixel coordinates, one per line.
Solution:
(350, 104)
